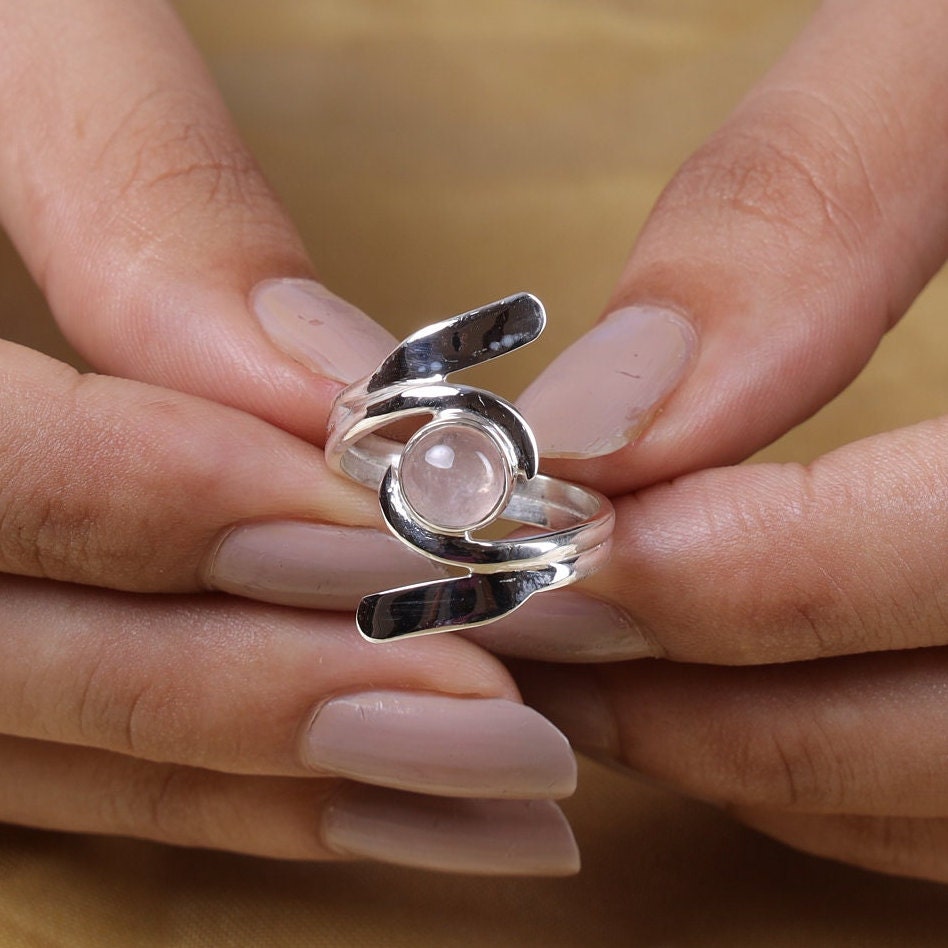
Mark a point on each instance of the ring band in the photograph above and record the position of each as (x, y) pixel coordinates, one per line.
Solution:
(474, 462)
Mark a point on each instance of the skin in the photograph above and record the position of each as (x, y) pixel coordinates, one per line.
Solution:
(798, 613)
(783, 601)
(146, 223)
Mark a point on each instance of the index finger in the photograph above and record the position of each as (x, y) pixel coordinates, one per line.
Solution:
(119, 484)
(147, 223)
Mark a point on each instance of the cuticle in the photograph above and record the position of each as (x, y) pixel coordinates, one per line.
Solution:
(206, 565)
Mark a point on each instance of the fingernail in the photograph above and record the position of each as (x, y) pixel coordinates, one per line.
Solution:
(469, 747)
(312, 565)
(566, 626)
(571, 697)
(320, 330)
(603, 392)
(490, 837)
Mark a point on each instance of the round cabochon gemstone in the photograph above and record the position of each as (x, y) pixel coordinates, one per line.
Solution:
(453, 476)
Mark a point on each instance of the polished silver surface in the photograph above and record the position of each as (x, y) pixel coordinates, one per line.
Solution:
(498, 575)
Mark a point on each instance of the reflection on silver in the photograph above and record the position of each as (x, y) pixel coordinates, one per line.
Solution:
(500, 575)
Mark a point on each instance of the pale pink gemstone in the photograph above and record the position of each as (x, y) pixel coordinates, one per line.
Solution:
(453, 476)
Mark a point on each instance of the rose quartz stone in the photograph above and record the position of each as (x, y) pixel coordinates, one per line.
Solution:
(453, 476)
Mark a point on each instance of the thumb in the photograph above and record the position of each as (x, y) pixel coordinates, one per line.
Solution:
(147, 223)
(774, 261)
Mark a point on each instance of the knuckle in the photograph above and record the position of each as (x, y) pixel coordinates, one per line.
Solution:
(789, 767)
(52, 520)
(167, 804)
(83, 497)
(188, 806)
(105, 713)
(171, 159)
(802, 614)
(44, 525)
(900, 845)
(784, 611)
(132, 723)
(904, 844)
(56, 535)
(790, 161)
(113, 705)
(188, 156)
(793, 586)
(173, 806)
(90, 705)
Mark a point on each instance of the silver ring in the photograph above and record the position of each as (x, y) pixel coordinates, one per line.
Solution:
(475, 461)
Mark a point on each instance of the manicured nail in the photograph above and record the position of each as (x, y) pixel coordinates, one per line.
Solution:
(313, 565)
(571, 696)
(566, 626)
(602, 392)
(469, 747)
(489, 837)
(320, 330)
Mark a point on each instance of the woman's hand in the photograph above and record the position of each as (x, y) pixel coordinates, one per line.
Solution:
(767, 274)
(202, 719)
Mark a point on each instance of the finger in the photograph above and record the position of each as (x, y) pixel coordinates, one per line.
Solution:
(119, 484)
(786, 247)
(146, 221)
(772, 563)
(850, 735)
(79, 790)
(898, 846)
(232, 686)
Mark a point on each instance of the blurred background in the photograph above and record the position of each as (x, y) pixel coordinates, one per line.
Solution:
(436, 156)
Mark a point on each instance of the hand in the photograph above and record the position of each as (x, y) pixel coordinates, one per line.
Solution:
(767, 274)
(204, 719)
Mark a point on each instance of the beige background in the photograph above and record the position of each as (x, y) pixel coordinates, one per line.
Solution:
(437, 155)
